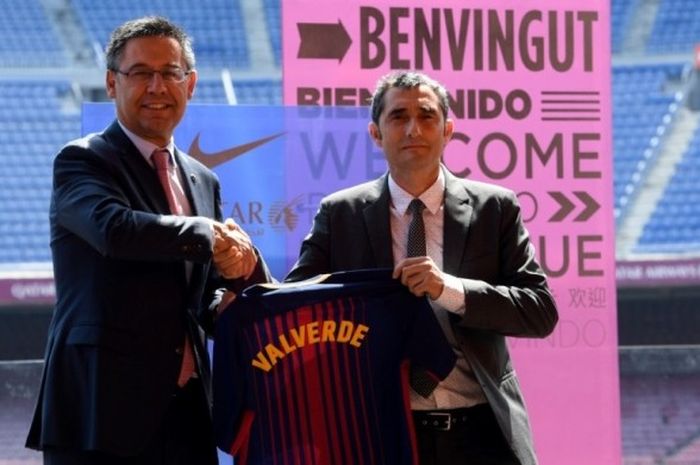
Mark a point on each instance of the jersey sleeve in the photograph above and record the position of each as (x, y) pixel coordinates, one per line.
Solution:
(231, 416)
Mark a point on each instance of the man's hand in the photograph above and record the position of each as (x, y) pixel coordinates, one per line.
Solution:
(234, 255)
(421, 276)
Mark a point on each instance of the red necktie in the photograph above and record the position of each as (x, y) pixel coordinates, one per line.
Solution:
(161, 158)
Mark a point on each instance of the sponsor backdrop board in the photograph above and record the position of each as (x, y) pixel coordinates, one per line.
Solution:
(530, 89)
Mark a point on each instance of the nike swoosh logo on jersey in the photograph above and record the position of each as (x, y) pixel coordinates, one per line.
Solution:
(210, 160)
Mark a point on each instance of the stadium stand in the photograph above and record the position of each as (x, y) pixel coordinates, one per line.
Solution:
(660, 408)
(217, 26)
(256, 92)
(36, 118)
(274, 28)
(27, 38)
(675, 223)
(620, 15)
(642, 111)
(19, 381)
(687, 455)
(656, 152)
(660, 415)
(246, 92)
(676, 27)
(210, 91)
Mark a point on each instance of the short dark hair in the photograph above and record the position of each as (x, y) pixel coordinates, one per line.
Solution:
(148, 26)
(406, 80)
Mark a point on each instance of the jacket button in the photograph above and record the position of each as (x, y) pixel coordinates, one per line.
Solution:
(179, 351)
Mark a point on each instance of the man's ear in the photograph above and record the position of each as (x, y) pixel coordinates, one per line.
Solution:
(449, 129)
(191, 83)
(375, 133)
(110, 84)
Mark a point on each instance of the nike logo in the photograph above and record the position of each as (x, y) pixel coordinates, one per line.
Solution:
(210, 160)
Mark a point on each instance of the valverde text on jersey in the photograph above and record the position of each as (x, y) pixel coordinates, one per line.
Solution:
(347, 332)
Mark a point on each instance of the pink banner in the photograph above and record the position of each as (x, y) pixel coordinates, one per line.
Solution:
(530, 88)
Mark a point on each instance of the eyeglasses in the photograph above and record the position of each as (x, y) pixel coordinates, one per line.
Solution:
(144, 75)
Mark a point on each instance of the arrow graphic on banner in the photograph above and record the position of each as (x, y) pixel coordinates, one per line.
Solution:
(566, 206)
(323, 40)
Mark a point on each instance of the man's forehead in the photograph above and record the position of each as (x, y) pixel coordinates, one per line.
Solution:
(152, 48)
(420, 96)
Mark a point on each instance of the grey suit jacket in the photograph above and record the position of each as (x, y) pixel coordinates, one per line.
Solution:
(485, 245)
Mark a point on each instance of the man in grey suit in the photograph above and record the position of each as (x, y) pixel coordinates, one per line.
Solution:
(477, 267)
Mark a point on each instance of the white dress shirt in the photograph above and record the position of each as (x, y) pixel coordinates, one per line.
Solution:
(460, 388)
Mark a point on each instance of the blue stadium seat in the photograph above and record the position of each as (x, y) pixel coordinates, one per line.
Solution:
(209, 91)
(217, 26)
(674, 225)
(27, 38)
(641, 112)
(675, 28)
(273, 20)
(620, 15)
(261, 91)
(33, 126)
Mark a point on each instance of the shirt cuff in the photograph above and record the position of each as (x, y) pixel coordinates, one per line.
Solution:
(452, 297)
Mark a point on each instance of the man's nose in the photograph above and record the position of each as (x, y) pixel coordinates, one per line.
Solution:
(412, 128)
(156, 83)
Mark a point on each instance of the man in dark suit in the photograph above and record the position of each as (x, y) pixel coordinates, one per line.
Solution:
(141, 264)
(477, 266)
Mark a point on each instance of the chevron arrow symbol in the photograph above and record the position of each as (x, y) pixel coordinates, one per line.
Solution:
(323, 40)
(566, 206)
(591, 206)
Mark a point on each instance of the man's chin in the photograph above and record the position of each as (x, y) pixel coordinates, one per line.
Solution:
(159, 135)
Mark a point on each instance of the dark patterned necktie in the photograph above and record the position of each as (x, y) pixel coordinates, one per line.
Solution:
(420, 380)
(415, 246)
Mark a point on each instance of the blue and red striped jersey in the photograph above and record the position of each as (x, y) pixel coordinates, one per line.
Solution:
(316, 373)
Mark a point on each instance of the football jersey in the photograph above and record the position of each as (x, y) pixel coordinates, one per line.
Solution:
(317, 372)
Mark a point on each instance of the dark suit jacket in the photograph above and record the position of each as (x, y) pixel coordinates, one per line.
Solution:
(486, 245)
(124, 301)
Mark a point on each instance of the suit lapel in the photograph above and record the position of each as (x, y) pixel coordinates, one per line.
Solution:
(458, 214)
(195, 195)
(142, 175)
(378, 226)
(190, 183)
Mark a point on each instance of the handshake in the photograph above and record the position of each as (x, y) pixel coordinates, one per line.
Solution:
(234, 255)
